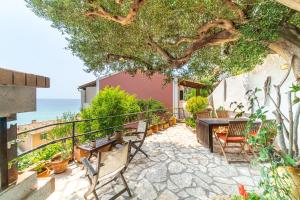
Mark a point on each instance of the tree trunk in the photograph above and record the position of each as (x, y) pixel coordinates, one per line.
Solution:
(296, 126)
(291, 124)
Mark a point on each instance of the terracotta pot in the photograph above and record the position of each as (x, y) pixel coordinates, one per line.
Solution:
(44, 174)
(79, 153)
(12, 174)
(149, 132)
(170, 122)
(160, 127)
(58, 164)
(292, 177)
(166, 125)
(154, 128)
(174, 120)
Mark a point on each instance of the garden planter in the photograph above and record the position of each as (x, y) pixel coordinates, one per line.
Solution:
(79, 153)
(160, 127)
(12, 174)
(58, 164)
(45, 173)
(166, 125)
(292, 177)
(149, 132)
(171, 122)
(174, 120)
(154, 128)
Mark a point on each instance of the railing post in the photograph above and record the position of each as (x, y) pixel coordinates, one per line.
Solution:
(73, 138)
(3, 153)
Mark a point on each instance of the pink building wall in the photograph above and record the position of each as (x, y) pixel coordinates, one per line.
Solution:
(142, 86)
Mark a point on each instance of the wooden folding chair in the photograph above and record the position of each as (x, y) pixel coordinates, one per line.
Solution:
(110, 165)
(137, 139)
(235, 135)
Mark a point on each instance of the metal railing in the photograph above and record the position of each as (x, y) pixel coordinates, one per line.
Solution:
(146, 116)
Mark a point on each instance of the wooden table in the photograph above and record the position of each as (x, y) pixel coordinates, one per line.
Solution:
(100, 144)
(204, 130)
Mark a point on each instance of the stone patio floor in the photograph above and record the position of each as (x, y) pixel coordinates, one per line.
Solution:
(178, 168)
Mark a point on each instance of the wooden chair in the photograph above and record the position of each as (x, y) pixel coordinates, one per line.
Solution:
(137, 139)
(235, 135)
(204, 114)
(110, 165)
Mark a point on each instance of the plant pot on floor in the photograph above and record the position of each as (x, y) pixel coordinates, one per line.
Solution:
(149, 132)
(41, 168)
(160, 127)
(166, 125)
(59, 164)
(154, 128)
(171, 122)
(174, 121)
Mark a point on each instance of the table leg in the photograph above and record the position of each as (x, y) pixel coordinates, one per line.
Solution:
(211, 139)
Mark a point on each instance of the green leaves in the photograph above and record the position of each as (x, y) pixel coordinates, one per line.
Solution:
(196, 104)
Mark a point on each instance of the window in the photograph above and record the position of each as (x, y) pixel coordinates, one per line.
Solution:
(181, 95)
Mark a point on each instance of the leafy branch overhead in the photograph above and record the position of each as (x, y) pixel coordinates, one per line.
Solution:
(205, 38)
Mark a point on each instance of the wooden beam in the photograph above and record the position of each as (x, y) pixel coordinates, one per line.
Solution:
(3, 153)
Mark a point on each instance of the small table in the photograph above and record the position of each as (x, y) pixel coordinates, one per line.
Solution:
(100, 143)
(204, 130)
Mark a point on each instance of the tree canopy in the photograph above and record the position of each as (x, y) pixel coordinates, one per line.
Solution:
(204, 38)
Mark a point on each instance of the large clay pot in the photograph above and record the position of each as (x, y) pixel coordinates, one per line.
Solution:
(174, 120)
(292, 177)
(58, 164)
(154, 128)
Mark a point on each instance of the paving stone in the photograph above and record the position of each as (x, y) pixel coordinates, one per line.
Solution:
(175, 167)
(182, 194)
(244, 180)
(157, 173)
(182, 180)
(196, 192)
(145, 190)
(167, 195)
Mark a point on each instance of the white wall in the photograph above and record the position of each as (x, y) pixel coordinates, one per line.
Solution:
(87, 96)
(238, 85)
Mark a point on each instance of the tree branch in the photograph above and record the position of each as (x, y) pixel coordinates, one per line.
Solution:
(123, 20)
(236, 10)
(203, 39)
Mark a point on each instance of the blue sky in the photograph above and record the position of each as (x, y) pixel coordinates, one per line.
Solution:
(29, 44)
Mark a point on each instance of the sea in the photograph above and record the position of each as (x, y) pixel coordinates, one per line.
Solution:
(49, 109)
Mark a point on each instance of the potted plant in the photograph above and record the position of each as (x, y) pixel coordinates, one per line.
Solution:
(42, 169)
(59, 162)
(165, 124)
(155, 121)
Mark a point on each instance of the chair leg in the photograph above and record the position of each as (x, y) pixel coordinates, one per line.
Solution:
(222, 148)
(126, 185)
(95, 194)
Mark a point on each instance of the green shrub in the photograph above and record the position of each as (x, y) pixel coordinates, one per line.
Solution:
(109, 102)
(150, 104)
(196, 104)
(191, 122)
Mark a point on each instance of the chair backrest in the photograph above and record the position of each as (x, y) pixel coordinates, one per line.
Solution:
(113, 161)
(237, 128)
(222, 114)
(204, 114)
(108, 163)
